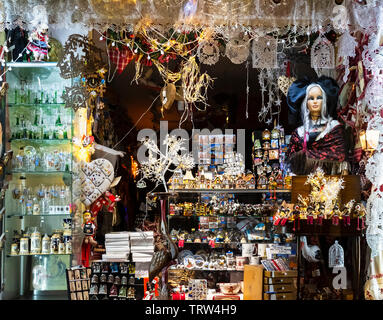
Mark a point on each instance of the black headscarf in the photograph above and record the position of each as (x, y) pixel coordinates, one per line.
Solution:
(297, 92)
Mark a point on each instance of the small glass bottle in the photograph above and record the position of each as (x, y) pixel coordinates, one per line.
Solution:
(36, 207)
(29, 205)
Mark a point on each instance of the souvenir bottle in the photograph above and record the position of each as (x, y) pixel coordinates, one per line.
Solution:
(46, 243)
(35, 241)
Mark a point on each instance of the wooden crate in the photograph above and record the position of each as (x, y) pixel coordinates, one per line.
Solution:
(351, 189)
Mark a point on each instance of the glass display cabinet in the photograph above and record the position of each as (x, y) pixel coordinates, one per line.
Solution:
(37, 221)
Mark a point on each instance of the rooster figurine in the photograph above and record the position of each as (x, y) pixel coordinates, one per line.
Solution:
(310, 253)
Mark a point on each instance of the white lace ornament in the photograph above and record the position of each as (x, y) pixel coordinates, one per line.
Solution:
(340, 18)
(264, 53)
(322, 54)
(336, 256)
(208, 52)
(237, 50)
(374, 95)
(346, 49)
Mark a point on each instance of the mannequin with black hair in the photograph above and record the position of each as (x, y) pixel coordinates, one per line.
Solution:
(319, 141)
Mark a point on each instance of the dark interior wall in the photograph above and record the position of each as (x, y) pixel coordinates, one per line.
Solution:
(228, 89)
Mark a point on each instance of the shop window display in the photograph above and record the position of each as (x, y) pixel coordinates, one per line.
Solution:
(285, 211)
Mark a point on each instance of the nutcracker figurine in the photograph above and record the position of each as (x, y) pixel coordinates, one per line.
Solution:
(89, 230)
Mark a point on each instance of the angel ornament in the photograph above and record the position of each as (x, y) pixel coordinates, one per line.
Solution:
(38, 42)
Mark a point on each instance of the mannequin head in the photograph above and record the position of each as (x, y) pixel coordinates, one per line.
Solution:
(314, 106)
(314, 102)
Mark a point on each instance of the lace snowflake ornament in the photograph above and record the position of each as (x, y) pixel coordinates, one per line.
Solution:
(208, 52)
(346, 49)
(373, 94)
(237, 50)
(322, 54)
(264, 53)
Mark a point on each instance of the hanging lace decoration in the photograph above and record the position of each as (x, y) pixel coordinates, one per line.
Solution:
(373, 56)
(208, 52)
(365, 16)
(268, 83)
(237, 50)
(340, 20)
(346, 49)
(72, 62)
(75, 97)
(264, 53)
(322, 54)
(335, 256)
(373, 94)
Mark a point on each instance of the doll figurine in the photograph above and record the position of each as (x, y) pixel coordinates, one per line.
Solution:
(89, 230)
(319, 141)
(38, 43)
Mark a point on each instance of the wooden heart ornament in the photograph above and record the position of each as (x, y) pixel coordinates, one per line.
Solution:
(284, 83)
(96, 177)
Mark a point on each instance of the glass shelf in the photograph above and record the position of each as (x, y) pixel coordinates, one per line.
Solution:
(218, 215)
(41, 140)
(41, 172)
(37, 105)
(38, 215)
(201, 269)
(32, 64)
(224, 243)
(38, 254)
(220, 190)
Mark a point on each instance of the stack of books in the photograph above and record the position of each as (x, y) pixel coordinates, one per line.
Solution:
(117, 246)
(142, 246)
(279, 264)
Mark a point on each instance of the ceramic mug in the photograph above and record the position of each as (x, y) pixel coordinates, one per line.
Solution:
(254, 260)
(240, 262)
(262, 249)
(247, 249)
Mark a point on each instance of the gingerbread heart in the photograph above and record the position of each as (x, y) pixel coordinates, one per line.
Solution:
(95, 178)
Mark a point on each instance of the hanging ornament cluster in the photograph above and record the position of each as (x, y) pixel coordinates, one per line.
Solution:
(237, 50)
(208, 52)
(264, 53)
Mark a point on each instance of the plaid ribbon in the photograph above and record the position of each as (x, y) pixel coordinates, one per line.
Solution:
(120, 57)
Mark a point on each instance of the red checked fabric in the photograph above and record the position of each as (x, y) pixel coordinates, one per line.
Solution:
(120, 57)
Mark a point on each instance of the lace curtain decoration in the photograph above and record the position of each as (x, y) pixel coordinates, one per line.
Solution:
(237, 50)
(322, 54)
(72, 62)
(373, 94)
(208, 52)
(346, 49)
(335, 256)
(264, 53)
(340, 19)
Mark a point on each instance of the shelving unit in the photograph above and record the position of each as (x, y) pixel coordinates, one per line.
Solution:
(49, 125)
(178, 221)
